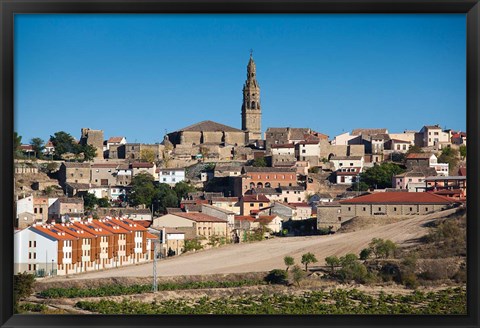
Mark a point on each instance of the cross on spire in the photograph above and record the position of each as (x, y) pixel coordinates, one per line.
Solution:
(251, 53)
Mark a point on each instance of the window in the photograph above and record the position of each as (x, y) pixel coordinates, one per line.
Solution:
(29, 255)
(261, 204)
(394, 209)
(364, 209)
(29, 267)
(30, 243)
(251, 204)
(304, 151)
(41, 210)
(379, 209)
(35, 254)
(35, 210)
(349, 208)
(426, 209)
(411, 209)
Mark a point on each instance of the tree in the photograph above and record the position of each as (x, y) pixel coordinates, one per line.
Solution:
(307, 259)
(17, 141)
(289, 261)
(380, 176)
(365, 254)
(260, 162)
(382, 248)
(37, 145)
(103, 202)
(182, 189)
(414, 149)
(147, 155)
(449, 155)
(332, 261)
(165, 197)
(89, 201)
(22, 287)
(297, 274)
(463, 151)
(63, 143)
(142, 191)
(89, 152)
(276, 276)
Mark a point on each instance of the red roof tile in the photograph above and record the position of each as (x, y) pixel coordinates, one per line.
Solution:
(115, 139)
(419, 156)
(398, 198)
(256, 198)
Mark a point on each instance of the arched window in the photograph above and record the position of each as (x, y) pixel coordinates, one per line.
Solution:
(252, 185)
(259, 185)
(267, 184)
(253, 105)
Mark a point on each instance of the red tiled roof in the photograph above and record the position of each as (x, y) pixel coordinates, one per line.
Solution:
(398, 198)
(151, 236)
(105, 165)
(93, 228)
(53, 231)
(462, 171)
(265, 219)
(419, 156)
(115, 139)
(110, 226)
(128, 224)
(139, 165)
(74, 230)
(199, 217)
(256, 198)
(144, 223)
(244, 218)
(299, 204)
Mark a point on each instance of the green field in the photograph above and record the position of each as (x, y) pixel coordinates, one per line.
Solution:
(449, 301)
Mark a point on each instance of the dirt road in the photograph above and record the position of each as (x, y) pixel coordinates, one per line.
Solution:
(269, 254)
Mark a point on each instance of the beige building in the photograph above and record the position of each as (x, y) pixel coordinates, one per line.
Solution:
(227, 203)
(64, 208)
(103, 174)
(94, 138)
(394, 204)
(434, 136)
(71, 172)
(204, 226)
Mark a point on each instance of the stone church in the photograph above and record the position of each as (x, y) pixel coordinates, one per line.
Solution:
(209, 132)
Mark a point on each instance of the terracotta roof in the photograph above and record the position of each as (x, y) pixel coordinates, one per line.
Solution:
(264, 191)
(151, 236)
(400, 141)
(107, 224)
(52, 231)
(76, 165)
(142, 165)
(255, 198)
(218, 209)
(26, 147)
(225, 199)
(170, 229)
(209, 126)
(265, 219)
(115, 139)
(294, 188)
(462, 171)
(70, 200)
(419, 156)
(448, 192)
(105, 165)
(309, 142)
(143, 223)
(298, 133)
(268, 169)
(199, 217)
(399, 198)
(74, 230)
(244, 218)
(129, 225)
(299, 204)
(93, 228)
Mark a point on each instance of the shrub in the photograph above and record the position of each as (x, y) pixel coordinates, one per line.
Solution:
(409, 279)
(382, 248)
(192, 245)
(297, 274)
(332, 262)
(22, 287)
(354, 271)
(365, 254)
(277, 276)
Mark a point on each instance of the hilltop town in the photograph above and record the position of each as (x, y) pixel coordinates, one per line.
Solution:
(101, 202)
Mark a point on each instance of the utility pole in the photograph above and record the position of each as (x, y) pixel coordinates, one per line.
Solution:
(155, 251)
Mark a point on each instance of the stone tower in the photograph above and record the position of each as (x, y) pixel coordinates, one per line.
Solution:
(251, 109)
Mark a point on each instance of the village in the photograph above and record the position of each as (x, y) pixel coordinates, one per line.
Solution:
(101, 202)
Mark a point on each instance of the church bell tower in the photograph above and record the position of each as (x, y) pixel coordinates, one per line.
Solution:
(251, 108)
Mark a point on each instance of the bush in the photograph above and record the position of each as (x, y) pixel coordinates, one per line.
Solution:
(277, 276)
(22, 287)
(297, 274)
(192, 245)
(365, 254)
(409, 279)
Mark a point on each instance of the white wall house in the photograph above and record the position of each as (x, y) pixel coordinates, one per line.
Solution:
(342, 139)
(347, 161)
(171, 176)
(34, 251)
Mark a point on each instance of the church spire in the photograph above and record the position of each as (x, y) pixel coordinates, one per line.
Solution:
(251, 108)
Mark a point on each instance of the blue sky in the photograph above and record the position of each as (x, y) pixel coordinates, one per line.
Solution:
(141, 75)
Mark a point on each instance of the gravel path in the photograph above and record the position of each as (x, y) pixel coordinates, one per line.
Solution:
(269, 254)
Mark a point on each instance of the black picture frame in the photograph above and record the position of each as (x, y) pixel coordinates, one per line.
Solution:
(10, 7)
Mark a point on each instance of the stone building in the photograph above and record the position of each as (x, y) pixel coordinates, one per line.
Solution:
(394, 204)
(207, 132)
(251, 107)
(94, 138)
(71, 172)
(260, 177)
(103, 174)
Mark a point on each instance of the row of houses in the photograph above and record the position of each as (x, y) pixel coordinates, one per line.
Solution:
(81, 246)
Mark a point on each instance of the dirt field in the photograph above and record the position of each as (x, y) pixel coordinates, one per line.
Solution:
(269, 254)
